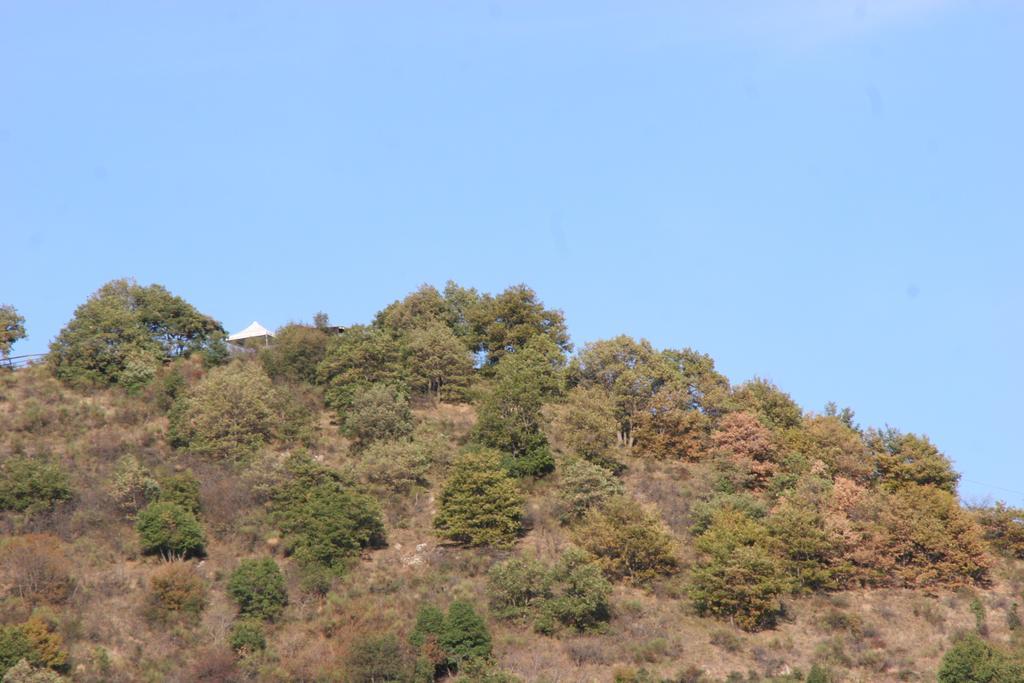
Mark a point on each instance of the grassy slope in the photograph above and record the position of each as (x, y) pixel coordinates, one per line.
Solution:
(867, 635)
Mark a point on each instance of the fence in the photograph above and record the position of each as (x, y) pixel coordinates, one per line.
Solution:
(15, 362)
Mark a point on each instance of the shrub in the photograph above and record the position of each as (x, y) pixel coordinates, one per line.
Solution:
(670, 427)
(175, 592)
(124, 332)
(35, 568)
(247, 636)
(30, 485)
(34, 641)
(629, 541)
(583, 485)
(480, 503)
(425, 638)
(234, 411)
(377, 413)
(181, 488)
(579, 596)
(376, 659)
(972, 660)
(324, 519)
(819, 674)
(23, 672)
(703, 512)
(257, 585)
(399, 466)
(132, 486)
(518, 586)
(1003, 528)
(737, 578)
(295, 354)
(170, 530)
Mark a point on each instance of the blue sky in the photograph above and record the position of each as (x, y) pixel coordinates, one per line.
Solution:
(826, 194)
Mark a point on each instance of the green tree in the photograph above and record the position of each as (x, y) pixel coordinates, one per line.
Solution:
(1003, 528)
(509, 417)
(12, 328)
(506, 323)
(296, 353)
(181, 488)
(579, 596)
(518, 586)
(31, 485)
(357, 358)
(233, 411)
(631, 371)
(583, 485)
(464, 636)
(587, 424)
(132, 485)
(440, 365)
(737, 577)
(257, 585)
(123, 333)
(379, 412)
(169, 530)
(670, 427)
(324, 518)
(247, 636)
(628, 540)
(707, 389)
(902, 459)
(480, 503)
(774, 406)
(972, 660)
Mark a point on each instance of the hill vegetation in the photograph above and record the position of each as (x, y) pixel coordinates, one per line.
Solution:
(453, 490)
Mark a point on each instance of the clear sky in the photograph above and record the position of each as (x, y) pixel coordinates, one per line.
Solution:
(827, 194)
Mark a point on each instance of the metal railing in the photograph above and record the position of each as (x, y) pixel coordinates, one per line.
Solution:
(16, 362)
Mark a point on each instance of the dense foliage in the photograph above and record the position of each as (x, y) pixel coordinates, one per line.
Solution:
(257, 585)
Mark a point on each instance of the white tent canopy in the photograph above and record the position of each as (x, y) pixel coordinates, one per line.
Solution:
(254, 331)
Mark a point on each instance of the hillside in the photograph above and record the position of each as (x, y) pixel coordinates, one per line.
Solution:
(454, 490)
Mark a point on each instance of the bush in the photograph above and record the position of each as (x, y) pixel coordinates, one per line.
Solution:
(628, 541)
(23, 672)
(257, 585)
(737, 577)
(972, 660)
(247, 636)
(170, 530)
(132, 486)
(30, 485)
(324, 519)
(376, 659)
(583, 485)
(670, 427)
(518, 586)
(175, 592)
(35, 568)
(377, 413)
(234, 411)
(464, 636)
(34, 641)
(579, 597)
(480, 503)
(587, 423)
(1003, 528)
(399, 466)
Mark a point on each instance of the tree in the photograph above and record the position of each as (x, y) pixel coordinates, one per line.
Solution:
(357, 358)
(774, 406)
(506, 323)
(379, 412)
(517, 587)
(579, 595)
(233, 411)
(132, 485)
(35, 568)
(175, 592)
(31, 485)
(169, 530)
(376, 659)
(707, 389)
(23, 672)
(628, 540)
(480, 503)
(440, 365)
(123, 333)
(1003, 528)
(587, 424)
(509, 417)
(247, 636)
(583, 485)
(972, 660)
(34, 641)
(12, 328)
(631, 371)
(399, 466)
(737, 577)
(464, 636)
(257, 585)
(296, 353)
(324, 518)
(181, 488)
(669, 427)
(749, 446)
(902, 459)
